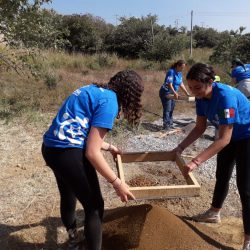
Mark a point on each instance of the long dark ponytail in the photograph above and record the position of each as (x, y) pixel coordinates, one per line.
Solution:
(178, 63)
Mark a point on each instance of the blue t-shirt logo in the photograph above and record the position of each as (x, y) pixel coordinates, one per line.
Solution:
(71, 129)
(86, 107)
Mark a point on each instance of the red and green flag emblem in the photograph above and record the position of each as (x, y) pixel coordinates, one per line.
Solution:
(227, 113)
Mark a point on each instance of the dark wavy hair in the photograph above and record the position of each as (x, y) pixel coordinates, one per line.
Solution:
(128, 86)
(201, 72)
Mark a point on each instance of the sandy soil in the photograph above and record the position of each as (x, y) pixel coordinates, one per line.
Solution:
(29, 211)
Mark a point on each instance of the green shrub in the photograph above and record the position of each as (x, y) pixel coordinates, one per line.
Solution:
(190, 61)
(93, 65)
(105, 60)
(51, 80)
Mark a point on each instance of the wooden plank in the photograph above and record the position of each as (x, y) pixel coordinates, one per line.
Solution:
(174, 131)
(182, 98)
(147, 156)
(120, 168)
(157, 192)
(181, 164)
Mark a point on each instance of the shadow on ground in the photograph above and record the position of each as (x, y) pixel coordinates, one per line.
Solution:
(151, 127)
(11, 236)
(203, 235)
(123, 228)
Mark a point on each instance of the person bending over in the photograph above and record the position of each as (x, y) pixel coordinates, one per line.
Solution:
(72, 148)
(230, 109)
(241, 76)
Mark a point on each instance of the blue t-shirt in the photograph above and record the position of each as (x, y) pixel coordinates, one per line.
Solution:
(240, 73)
(173, 77)
(86, 107)
(227, 106)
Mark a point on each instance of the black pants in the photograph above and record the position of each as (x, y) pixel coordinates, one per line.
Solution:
(77, 179)
(239, 153)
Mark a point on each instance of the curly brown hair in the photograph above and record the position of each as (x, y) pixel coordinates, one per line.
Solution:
(128, 86)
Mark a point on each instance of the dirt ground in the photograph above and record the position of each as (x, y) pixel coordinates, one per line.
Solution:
(29, 211)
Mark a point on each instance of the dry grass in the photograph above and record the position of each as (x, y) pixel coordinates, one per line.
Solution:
(62, 73)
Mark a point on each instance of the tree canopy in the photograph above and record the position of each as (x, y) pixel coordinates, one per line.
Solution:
(25, 24)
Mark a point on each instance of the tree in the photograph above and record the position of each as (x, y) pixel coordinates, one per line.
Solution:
(165, 47)
(132, 36)
(232, 44)
(46, 31)
(205, 37)
(25, 26)
(13, 13)
(86, 33)
(24, 23)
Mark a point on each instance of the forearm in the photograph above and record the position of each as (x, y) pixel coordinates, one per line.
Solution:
(100, 164)
(212, 150)
(193, 136)
(172, 88)
(184, 89)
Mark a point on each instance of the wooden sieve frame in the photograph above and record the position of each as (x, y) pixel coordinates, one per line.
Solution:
(192, 188)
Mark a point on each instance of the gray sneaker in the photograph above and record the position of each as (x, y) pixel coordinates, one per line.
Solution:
(246, 245)
(75, 242)
(208, 216)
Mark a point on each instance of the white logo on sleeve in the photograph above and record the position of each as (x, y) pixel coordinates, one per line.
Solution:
(170, 79)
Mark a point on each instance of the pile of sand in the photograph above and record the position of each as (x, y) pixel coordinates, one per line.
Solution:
(147, 227)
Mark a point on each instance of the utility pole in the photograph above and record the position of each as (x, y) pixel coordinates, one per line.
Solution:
(191, 36)
(176, 23)
(152, 30)
(116, 18)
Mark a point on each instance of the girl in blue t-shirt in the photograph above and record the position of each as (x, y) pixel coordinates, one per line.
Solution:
(72, 148)
(227, 107)
(172, 82)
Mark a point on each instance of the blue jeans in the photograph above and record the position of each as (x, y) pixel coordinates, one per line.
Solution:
(168, 108)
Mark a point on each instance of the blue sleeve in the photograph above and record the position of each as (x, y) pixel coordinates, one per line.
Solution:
(228, 110)
(169, 76)
(105, 114)
(199, 108)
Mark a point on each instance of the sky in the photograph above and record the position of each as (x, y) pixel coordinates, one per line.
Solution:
(218, 14)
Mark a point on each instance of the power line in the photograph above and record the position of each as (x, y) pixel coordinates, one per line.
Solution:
(235, 14)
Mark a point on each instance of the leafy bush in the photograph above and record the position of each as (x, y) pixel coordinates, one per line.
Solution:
(231, 46)
(101, 60)
(191, 61)
(165, 47)
(205, 37)
(105, 60)
(86, 33)
(51, 80)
